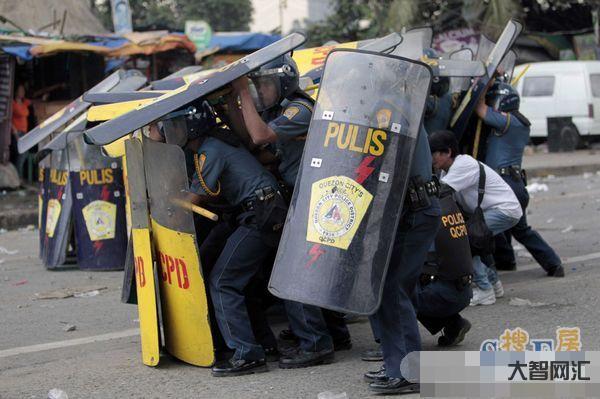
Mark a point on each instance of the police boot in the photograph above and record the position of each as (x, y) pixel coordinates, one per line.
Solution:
(301, 359)
(454, 333)
(374, 376)
(372, 355)
(232, 368)
(394, 385)
(557, 271)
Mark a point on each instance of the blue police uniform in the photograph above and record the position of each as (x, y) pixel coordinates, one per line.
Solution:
(440, 303)
(505, 146)
(232, 173)
(290, 122)
(395, 322)
(438, 111)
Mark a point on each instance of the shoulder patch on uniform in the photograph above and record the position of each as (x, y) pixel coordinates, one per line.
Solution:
(290, 112)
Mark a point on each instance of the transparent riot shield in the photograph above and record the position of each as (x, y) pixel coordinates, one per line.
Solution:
(145, 271)
(460, 84)
(183, 294)
(348, 196)
(506, 67)
(120, 126)
(462, 116)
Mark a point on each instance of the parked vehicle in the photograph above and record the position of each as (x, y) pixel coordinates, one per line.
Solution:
(562, 101)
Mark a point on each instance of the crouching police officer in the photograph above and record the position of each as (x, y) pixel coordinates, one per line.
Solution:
(505, 146)
(445, 284)
(225, 173)
(275, 112)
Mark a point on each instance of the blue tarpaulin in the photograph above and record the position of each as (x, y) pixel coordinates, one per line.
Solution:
(241, 41)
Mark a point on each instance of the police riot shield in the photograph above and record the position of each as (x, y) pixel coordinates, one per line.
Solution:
(145, 271)
(348, 196)
(310, 61)
(98, 207)
(506, 67)
(412, 44)
(182, 288)
(63, 116)
(57, 226)
(460, 84)
(425, 32)
(113, 129)
(461, 117)
(43, 184)
(129, 80)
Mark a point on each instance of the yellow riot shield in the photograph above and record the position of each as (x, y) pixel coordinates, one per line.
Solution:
(142, 252)
(183, 294)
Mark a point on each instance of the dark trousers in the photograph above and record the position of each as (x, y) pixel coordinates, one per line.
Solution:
(336, 325)
(440, 303)
(308, 324)
(395, 322)
(240, 260)
(523, 233)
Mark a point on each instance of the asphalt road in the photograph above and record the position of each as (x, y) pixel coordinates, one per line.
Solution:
(101, 357)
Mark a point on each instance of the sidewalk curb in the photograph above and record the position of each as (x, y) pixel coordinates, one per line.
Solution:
(562, 170)
(18, 218)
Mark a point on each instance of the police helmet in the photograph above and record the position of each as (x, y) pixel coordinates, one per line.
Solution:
(502, 97)
(274, 82)
(189, 123)
(439, 84)
(430, 53)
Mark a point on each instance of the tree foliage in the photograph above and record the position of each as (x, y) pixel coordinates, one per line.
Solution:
(360, 19)
(222, 15)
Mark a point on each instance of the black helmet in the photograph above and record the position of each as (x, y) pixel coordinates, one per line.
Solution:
(502, 97)
(279, 76)
(439, 84)
(189, 123)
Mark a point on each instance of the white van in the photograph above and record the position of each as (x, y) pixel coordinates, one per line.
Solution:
(569, 89)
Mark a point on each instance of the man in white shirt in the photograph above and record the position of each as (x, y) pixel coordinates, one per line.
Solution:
(501, 209)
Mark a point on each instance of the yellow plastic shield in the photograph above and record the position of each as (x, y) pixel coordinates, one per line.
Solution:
(142, 252)
(183, 294)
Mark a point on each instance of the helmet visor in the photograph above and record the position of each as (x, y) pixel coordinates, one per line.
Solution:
(265, 91)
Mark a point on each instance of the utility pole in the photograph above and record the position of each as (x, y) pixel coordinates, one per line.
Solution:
(282, 5)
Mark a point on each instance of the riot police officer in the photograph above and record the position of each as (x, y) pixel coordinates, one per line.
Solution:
(276, 113)
(438, 108)
(226, 173)
(395, 322)
(505, 145)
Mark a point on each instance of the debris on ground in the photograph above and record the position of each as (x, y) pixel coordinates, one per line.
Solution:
(56, 393)
(69, 327)
(332, 395)
(536, 188)
(81, 292)
(525, 302)
(86, 294)
(8, 252)
(20, 282)
(567, 229)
